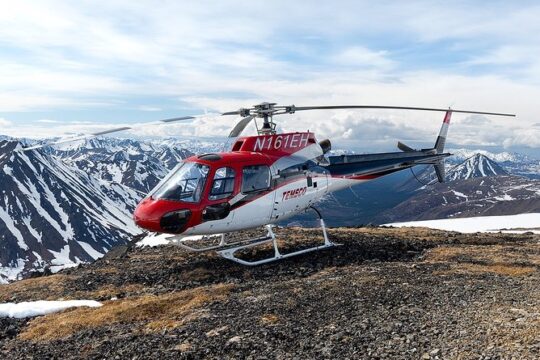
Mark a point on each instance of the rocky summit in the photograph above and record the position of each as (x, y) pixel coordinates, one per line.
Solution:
(384, 293)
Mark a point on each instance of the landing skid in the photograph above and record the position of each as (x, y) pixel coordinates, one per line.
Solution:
(223, 245)
(228, 250)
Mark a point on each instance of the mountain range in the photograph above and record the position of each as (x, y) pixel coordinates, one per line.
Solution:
(475, 185)
(512, 162)
(480, 196)
(416, 195)
(70, 204)
(138, 165)
(55, 214)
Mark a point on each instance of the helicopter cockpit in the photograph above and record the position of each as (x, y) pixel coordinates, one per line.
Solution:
(200, 189)
(185, 183)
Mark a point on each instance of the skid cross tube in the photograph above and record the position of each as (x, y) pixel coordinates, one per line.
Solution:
(229, 253)
(223, 245)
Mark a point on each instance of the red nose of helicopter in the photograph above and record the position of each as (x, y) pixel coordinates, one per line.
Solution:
(162, 216)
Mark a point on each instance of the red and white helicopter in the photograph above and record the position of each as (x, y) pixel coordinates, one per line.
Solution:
(267, 178)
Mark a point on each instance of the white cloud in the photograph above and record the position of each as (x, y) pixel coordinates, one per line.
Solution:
(4, 122)
(47, 121)
(149, 108)
(226, 55)
(360, 56)
(473, 120)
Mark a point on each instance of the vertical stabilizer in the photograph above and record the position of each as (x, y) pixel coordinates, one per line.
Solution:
(439, 146)
(441, 139)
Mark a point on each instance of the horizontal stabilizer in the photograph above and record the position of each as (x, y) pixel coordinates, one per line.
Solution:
(401, 146)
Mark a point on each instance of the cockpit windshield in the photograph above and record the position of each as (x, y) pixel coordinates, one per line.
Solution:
(185, 184)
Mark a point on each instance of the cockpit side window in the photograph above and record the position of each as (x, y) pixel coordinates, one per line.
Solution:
(223, 184)
(255, 178)
(186, 184)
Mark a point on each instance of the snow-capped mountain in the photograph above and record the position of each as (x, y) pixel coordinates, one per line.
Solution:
(73, 202)
(477, 165)
(52, 213)
(476, 186)
(137, 164)
(483, 196)
(196, 146)
(513, 163)
(404, 196)
(462, 154)
(474, 166)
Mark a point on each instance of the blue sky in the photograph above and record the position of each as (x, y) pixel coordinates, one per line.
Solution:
(79, 66)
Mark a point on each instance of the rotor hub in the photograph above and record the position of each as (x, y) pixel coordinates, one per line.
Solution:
(266, 111)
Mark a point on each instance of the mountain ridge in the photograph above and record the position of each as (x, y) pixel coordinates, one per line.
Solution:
(481, 196)
(54, 214)
(119, 172)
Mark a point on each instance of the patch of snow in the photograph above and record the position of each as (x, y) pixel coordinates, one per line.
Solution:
(154, 239)
(11, 273)
(459, 194)
(56, 268)
(37, 308)
(10, 224)
(90, 250)
(61, 257)
(507, 223)
(506, 197)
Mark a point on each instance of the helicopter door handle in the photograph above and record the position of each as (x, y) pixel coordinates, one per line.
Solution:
(309, 181)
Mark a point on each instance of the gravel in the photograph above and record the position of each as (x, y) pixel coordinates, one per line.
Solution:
(385, 293)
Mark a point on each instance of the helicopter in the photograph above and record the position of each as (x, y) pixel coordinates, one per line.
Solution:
(265, 179)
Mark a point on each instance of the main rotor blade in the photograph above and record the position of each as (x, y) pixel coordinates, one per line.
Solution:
(236, 112)
(240, 126)
(110, 131)
(302, 108)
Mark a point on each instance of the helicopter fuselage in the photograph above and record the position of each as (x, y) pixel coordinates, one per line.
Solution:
(263, 180)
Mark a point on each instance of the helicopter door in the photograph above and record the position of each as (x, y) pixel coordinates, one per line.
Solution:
(221, 191)
(302, 189)
(256, 196)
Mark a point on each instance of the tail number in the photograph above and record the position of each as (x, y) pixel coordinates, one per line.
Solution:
(291, 194)
(281, 142)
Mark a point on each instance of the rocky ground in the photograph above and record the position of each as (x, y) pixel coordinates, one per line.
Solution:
(385, 293)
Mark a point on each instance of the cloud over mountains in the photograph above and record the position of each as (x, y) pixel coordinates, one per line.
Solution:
(122, 62)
